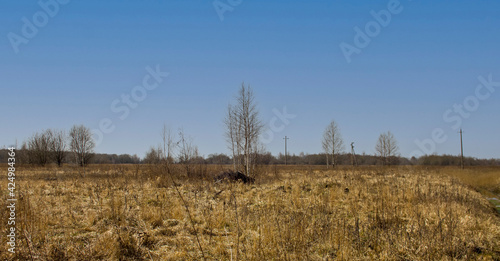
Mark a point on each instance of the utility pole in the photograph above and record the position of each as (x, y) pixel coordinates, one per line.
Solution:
(285, 138)
(461, 150)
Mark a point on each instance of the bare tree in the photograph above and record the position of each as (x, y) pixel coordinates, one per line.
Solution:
(168, 144)
(233, 136)
(57, 145)
(82, 144)
(387, 148)
(332, 142)
(38, 147)
(153, 156)
(243, 128)
(187, 152)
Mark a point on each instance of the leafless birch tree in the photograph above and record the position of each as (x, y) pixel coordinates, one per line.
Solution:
(243, 128)
(387, 148)
(233, 135)
(168, 144)
(332, 143)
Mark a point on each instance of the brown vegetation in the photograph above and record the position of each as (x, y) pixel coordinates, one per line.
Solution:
(133, 212)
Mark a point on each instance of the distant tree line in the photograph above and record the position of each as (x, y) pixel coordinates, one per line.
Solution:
(115, 159)
(269, 159)
(450, 160)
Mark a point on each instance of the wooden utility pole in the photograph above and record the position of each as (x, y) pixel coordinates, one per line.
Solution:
(461, 150)
(285, 138)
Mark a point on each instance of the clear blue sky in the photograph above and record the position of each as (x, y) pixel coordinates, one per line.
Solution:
(425, 60)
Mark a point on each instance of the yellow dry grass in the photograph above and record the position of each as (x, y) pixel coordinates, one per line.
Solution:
(291, 213)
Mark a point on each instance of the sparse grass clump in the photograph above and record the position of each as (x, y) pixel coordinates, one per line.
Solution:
(134, 213)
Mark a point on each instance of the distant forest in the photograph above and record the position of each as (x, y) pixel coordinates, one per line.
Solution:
(269, 159)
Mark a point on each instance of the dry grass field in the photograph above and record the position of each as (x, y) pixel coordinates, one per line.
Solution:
(290, 213)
